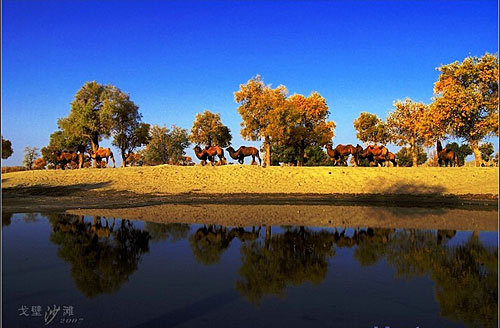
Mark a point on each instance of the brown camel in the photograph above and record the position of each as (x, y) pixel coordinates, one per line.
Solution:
(376, 155)
(340, 154)
(210, 153)
(446, 156)
(102, 153)
(243, 152)
(202, 155)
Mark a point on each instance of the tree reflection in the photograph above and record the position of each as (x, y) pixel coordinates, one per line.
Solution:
(167, 231)
(292, 258)
(102, 257)
(208, 243)
(6, 219)
(465, 275)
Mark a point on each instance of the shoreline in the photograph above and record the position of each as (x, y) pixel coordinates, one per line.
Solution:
(22, 202)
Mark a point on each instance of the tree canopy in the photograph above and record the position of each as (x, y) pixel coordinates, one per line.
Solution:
(466, 101)
(258, 106)
(370, 129)
(30, 155)
(303, 123)
(208, 130)
(404, 125)
(6, 148)
(95, 111)
(165, 145)
(405, 157)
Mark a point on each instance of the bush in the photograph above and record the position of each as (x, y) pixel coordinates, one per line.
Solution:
(7, 169)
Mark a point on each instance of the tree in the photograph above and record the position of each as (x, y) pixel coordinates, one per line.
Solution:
(208, 130)
(165, 144)
(6, 148)
(258, 106)
(30, 155)
(303, 124)
(94, 113)
(404, 126)
(133, 135)
(39, 164)
(405, 157)
(462, 151)
(370, 129)
(60, 141)
(486, 150)
(178, 141)
(129, 132)
(466, 101)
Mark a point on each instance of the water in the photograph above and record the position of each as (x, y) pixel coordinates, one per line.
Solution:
(119, 273)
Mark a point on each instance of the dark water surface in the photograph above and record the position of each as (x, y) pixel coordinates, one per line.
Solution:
(118, 273)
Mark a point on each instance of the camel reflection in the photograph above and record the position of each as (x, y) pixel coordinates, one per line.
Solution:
(101, 257)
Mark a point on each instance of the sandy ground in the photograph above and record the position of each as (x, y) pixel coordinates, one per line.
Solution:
(311, 215)
(31, 191)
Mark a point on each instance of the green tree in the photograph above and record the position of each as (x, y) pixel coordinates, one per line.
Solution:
(405, 158)
(165, 144)
(178, 141)
(371, 129)
(405, 126)
(487, 149)
(208, 130)
(94, 113)
(30, 155)
(462, 151)
(60, 141)
(258, 110)
(466, 101)
(6, 148)
(129, 132)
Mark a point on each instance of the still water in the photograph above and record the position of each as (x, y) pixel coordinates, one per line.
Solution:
(62, 270)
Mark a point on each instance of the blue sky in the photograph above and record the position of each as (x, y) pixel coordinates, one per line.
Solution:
(178, 58)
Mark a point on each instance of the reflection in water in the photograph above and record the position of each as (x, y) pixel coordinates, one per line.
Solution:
(292, 258)
(101, 257)
(171, 232)
(208, 243)
(104, 253)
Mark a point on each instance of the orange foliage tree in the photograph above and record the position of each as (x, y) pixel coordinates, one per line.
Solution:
(260, 107)
(466, 102)
(302, 123)
(406, 126)
(370, 129)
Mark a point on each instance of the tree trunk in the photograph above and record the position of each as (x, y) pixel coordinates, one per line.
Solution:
(414, 152)
(267, 149)
(124, 162)
(268, 236)
(300, 161)
(94, 143)
(477, 154)
(80, 159)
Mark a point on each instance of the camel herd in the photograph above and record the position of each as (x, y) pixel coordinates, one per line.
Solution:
(376, 155)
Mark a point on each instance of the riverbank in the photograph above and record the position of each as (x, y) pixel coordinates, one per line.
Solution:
(32, 191)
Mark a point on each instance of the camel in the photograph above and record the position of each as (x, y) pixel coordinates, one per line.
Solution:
(340, 154)
(243, 152)
(102, 153)
(446, 156)
(210, 153)
(202, 155)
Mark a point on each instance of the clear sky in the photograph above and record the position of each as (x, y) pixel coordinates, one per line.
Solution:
(178, 58)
